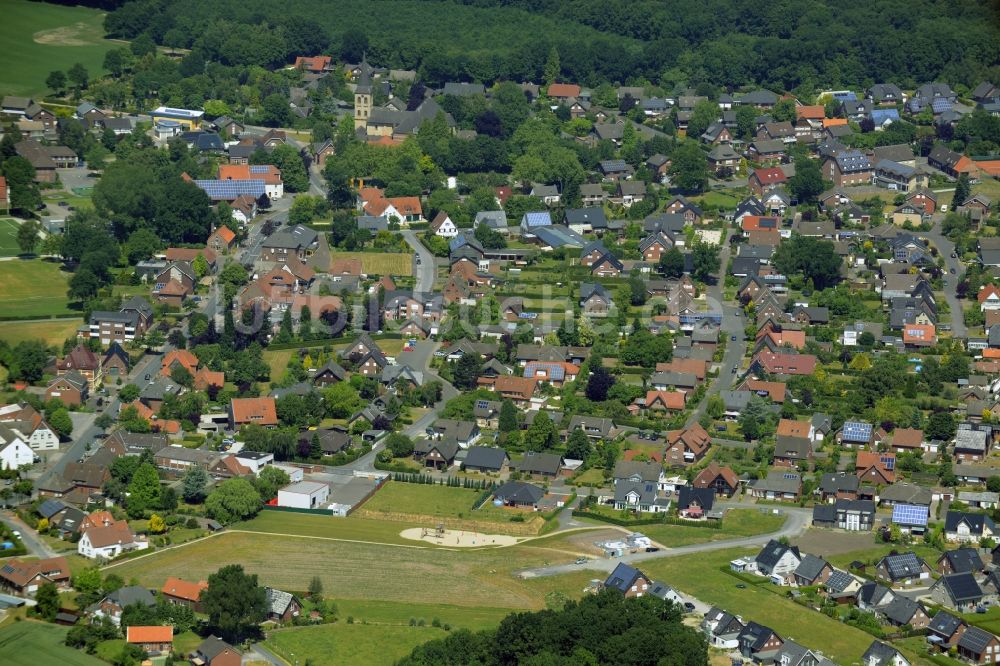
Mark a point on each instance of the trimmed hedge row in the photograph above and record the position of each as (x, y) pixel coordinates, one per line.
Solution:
(711, 525)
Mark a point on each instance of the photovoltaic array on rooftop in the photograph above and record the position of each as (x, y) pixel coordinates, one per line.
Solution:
(230, 189)
(909, 514)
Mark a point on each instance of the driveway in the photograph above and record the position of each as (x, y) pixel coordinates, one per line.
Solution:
(425, 270)
(32, 542)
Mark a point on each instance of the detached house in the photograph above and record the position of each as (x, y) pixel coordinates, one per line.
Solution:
(850, 167)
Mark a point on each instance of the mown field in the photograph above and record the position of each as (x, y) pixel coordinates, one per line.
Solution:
(52, 331)
(39, 38)
(33, 288)
(36, 644)
(8, 238)
(343, 643)
(360, 571)
(737, 523)
(380, 263)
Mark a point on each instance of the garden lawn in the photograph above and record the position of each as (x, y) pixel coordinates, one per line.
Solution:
(33, 288)
(701, 576)
(476, 578)
(876, 552)
(8, 238)
(278, 362)
(344, 643)
(350, 528)
(51, 331)
(40, 38)
(32, 643)
(380, 263)
(737, 523)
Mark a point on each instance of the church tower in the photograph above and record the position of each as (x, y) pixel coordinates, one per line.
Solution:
(363, 96)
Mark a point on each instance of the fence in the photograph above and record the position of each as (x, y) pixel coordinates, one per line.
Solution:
(292, 509)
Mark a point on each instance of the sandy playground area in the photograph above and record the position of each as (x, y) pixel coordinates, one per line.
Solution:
(457, 538)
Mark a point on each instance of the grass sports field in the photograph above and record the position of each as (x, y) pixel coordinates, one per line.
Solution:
(380, 263)
(8, 238)
(33, 643)
(33, 288)
(40, 38)
(52, 331)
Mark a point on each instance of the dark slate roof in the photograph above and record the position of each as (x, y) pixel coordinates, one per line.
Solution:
(945, 623)
(834, 482)
(810, 567)
(133, 594)
(901, 610)
(975, 640)
(623, 577)
(756, 635)
(961, 587)
(964, 560)
(773, 551)
(485, 457)
(824, 513)
(687, 495)
(975, 521)
(880, 654)
(51, 507)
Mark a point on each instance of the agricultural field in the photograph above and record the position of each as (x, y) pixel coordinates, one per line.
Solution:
(52, 331)
(40, 38)
(33, 288)
(33, 643)
(380, 263)
(8, 238)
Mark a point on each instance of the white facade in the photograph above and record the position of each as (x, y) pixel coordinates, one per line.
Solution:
(447, 229)
(294, 473)
(15, 454)
(111, 551)
(304, 495)
(43, 439)
(254, 461)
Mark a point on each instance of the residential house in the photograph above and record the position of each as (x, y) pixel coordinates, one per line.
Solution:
(281, 606)
(109, 541)
(539, 464)
(629, 581)
(978, 646)
(964, 527)
(854, 515)
(23, 577)
(216, 652)
(256, 411)
(154, 640)
(113, 604)
(777, 485)
(903, 568)
(756, 641)
(722, 480)
(850, 167)
(778, 559)
(812, 570)
(183, 593)
(961, 560)
(958, 591)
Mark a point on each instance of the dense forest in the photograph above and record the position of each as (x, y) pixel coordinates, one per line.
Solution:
(603, 629)
(801, 45)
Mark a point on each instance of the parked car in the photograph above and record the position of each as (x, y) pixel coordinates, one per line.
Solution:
(688, 606)
(581, 560)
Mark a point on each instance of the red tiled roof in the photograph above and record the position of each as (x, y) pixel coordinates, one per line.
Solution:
(987, 291)
(709, 474)
(225, 233)
(189, 254)
(770, 176)
(564, 90)
(810, 112)
(183, 589)
(776, 390)
(21, 572)
(260, 411)
(670, 399)
(793, 428)
(908, 438)
(138, 634)
(787, 364)
(181, 356)
(522, 387)
(272, 176)
(313, 63)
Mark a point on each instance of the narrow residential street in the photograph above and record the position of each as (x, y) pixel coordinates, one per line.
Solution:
(946, 248)
(423, 263)
(732, 326)
(35, 545)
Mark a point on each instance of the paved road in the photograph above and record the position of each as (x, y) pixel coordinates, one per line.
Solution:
(732, 325)
(797, 523)
(945, 248)
(424, 271)
(35, 546)
(149, 364)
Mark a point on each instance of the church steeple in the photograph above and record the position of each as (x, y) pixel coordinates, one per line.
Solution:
(363, 94)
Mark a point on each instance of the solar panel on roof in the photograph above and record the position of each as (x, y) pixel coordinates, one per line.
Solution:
(889, 462)
(791, 477)
(482, 404)
(909, 514)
